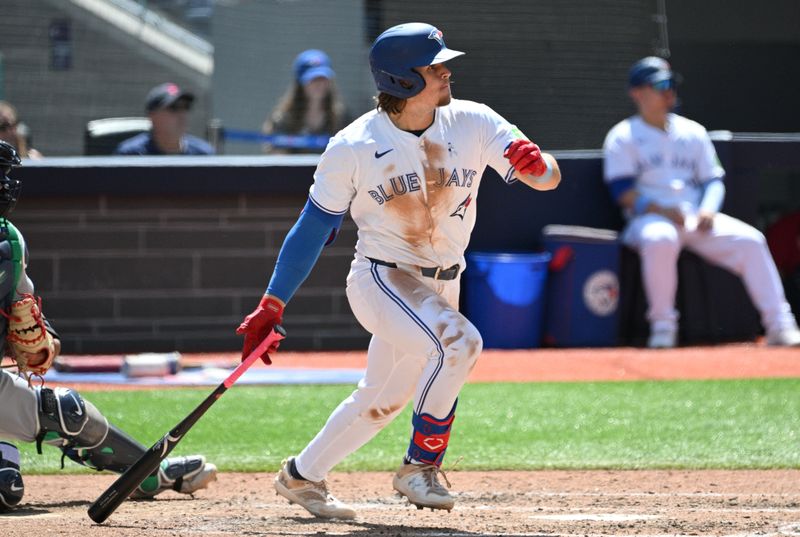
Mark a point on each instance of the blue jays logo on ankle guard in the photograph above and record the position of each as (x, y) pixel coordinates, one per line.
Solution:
(430, 437)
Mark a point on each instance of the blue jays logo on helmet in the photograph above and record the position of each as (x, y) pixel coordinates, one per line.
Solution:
(399, 49)
(436, 35)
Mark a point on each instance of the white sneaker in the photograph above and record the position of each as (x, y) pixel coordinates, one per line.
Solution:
(662, 338)
(420, 484)
(788, 337)
(312, 495)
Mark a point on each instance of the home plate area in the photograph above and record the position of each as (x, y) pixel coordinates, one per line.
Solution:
(542, 503)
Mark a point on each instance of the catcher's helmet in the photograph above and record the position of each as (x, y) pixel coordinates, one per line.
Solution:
(650, 71)
(401, 48)
(9, 188)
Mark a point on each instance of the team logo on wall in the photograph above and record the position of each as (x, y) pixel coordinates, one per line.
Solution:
(601, 293)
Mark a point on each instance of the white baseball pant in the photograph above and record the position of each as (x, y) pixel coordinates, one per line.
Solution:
(421, 347)
(731, 244)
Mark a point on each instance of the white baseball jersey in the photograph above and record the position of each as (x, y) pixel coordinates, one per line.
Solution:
(413, 197)
(669, 166)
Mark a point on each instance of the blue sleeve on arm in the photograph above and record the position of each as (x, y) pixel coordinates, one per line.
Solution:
(314, 229)
(713, 195)
(620, 185)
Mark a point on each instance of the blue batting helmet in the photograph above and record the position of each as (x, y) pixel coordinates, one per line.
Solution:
(651, 70)
(401, 48)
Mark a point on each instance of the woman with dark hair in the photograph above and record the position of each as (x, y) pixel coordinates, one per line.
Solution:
(310, 111)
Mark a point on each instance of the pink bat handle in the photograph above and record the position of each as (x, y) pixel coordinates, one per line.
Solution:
(275, 335)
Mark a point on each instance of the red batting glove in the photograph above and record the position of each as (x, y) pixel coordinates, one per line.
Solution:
(258, 325)
(526, 157)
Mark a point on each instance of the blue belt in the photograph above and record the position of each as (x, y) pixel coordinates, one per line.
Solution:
(437, 273)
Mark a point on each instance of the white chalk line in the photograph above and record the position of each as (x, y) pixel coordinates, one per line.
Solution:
(791, 530)
(655, 494)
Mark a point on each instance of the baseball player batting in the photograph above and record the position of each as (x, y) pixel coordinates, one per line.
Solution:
(663, 170)
(409, 173)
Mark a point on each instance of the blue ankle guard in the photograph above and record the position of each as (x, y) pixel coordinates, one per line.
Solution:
(430, 437)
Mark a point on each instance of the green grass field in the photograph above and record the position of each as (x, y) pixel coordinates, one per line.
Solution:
(614, 425)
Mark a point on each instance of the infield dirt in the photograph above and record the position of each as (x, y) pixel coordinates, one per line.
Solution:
(542, 503)
(587, 503)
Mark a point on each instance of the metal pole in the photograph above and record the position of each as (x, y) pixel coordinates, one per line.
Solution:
(660, 18)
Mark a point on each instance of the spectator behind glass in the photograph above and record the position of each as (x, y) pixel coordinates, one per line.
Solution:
(311, 105)
(14, 132)
(168, 107)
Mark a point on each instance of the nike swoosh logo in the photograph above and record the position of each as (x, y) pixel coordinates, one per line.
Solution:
(78, 410)
(379, 155)
(15, 488)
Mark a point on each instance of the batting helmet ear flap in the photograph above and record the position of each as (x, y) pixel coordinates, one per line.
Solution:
(411, 83)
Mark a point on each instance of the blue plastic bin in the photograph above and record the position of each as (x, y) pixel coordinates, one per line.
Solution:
(583, 287)
(504, 297)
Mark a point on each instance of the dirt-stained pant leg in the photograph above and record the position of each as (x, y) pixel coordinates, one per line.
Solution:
(421, 348)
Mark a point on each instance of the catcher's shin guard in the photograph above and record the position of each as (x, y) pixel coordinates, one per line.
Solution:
(82, 433)
(11, 487)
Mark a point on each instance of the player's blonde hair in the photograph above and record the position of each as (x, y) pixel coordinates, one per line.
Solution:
(390, 103)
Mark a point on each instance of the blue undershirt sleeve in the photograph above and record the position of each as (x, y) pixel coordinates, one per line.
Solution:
(713, 195)
(302, 247)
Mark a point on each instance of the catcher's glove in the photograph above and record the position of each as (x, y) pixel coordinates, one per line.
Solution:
(31, 344)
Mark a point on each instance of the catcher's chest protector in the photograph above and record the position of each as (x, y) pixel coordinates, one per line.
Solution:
(10, 271)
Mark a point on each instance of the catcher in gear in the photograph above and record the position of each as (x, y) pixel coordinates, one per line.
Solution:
(60, 417)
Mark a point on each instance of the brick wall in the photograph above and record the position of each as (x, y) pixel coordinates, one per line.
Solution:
(136, 274)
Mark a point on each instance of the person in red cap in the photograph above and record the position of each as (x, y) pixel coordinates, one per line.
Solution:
(168, 107)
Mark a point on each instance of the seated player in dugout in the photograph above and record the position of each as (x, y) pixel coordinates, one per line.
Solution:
(664, 172)
(59, 417)
(408, 172)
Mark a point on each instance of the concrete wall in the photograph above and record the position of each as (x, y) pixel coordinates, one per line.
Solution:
(110, 75)
(256, 43)
(131, 273)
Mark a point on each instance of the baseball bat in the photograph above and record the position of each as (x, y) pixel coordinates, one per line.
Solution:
(120, 489)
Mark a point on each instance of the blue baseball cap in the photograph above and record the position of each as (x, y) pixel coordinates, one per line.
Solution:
(165, 95)
(652, 71)
(311, 64)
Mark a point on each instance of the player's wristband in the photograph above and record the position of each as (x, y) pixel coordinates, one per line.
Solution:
(641, 204)
(547, 174)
